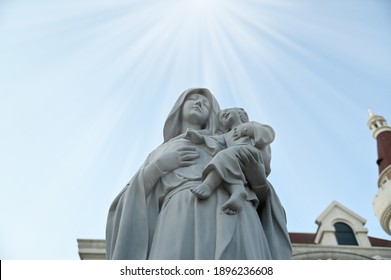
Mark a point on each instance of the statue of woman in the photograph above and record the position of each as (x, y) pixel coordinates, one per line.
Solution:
(157, 217)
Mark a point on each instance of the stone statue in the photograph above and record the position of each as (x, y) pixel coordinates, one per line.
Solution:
(156, 216)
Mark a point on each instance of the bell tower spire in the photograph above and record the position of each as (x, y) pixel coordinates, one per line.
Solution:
(382, 133)
(382, 201)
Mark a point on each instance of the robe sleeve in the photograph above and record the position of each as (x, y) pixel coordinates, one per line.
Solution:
(274, 222)
(131, 219)
(263, 135)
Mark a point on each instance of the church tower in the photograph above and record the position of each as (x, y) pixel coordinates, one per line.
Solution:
(382, 201)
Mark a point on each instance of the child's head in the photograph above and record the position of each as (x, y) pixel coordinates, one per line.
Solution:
(229, 117)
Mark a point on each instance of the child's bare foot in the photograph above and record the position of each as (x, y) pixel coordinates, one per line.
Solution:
(202, 191)
(235, 203)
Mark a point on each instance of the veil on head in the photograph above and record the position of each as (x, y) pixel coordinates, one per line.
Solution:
(173, 124)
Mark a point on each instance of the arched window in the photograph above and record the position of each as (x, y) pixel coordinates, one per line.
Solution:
(344, 234)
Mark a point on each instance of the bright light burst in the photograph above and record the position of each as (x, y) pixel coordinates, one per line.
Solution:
(202, 43)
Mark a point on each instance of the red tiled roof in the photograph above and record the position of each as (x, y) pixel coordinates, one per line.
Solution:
(309, 238)
(302, 238)
(379, 242)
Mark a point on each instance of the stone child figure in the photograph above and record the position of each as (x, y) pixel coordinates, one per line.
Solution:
(225, 167)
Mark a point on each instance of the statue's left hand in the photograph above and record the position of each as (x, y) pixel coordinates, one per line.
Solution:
(252, 168)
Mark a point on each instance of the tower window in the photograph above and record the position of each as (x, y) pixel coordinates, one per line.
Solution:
(344, 234)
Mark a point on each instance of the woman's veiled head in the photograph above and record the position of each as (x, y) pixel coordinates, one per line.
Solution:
(206, 114)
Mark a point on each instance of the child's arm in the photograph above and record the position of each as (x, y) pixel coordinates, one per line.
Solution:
(245, 129)
(262, 134)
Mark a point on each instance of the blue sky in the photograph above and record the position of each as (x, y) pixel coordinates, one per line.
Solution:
(85, 87)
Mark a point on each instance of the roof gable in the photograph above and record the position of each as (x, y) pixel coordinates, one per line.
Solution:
(335, 213)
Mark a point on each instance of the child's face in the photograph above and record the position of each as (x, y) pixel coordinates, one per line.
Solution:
(229, 117)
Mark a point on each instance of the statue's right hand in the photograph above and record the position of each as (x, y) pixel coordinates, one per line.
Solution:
(181, 157)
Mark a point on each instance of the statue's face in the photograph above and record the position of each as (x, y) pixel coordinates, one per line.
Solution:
(229, 117)
(196, 109)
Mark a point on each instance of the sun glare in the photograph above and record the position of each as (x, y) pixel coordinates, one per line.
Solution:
(202, 7)
(200, 13)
